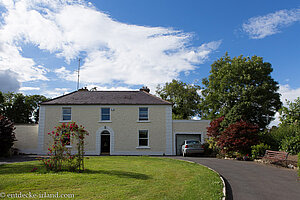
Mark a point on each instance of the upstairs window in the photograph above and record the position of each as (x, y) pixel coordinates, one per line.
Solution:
(143, 138)
(66, 114)
(143, 114)
(105, 114)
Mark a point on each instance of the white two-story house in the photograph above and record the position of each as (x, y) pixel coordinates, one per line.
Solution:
(119, 122)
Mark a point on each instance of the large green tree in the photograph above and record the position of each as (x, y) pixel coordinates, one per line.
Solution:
(185, 98)
(20, 108)
(240, 88)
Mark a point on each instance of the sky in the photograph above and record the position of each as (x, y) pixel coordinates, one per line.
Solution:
(127, 44)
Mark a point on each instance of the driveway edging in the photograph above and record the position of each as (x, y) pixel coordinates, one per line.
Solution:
(222, 179)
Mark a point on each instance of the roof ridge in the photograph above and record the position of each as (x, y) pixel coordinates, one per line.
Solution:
(112, 91)
(107, 97)
(156, 97)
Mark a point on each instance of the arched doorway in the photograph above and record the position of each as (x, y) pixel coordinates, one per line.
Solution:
(105, 142)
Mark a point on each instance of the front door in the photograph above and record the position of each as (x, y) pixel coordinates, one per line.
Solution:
(105, 142)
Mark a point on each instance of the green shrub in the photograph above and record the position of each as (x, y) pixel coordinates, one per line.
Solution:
(299, 165)
(291, 145)
(7, 135)
(259, 150)
(207, 151)
(267, 137)
(211, 146)
(276, 135)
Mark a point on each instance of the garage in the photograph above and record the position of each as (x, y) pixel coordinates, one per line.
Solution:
(181, 137)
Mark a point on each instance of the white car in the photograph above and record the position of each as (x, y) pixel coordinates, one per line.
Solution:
(191, 147)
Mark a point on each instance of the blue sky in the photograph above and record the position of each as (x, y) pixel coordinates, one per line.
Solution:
(127, 44)
(220, 20)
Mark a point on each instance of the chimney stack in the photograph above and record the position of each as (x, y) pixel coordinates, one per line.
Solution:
(83, 89)
(145, 89)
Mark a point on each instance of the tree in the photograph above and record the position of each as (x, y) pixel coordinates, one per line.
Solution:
(185, 98)
(33, 102)
(240, 88)
(7, 135)
(1, 103)
(291, 113)
(20, 108)
(237, 137)
(20, 111)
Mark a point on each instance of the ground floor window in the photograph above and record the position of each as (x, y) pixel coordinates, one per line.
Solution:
(143, 138)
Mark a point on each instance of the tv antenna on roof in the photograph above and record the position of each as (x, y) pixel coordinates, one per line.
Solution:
(78, 73)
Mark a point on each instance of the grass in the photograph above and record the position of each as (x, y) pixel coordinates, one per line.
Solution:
(112, 177)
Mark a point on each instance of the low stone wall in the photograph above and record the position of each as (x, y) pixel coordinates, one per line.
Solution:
(27, 138)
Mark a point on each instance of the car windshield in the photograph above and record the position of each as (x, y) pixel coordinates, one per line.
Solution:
(192, 142)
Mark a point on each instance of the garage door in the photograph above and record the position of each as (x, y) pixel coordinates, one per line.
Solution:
(181, 137)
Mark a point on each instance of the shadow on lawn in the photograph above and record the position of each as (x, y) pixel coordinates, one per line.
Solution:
(26, 168)
(18, 169)
(121, 174)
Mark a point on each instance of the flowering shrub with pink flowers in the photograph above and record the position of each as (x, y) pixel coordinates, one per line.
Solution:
(60, 157)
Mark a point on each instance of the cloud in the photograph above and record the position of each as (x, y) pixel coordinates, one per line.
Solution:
(29, 88)
(263, 26)
(8, 81)
(113, 51)
(26, 68)
(287, 93)
(101, 88)
(51, 93)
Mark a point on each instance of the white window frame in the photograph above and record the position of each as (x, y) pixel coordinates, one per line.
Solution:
(143, 120)
(101, 115)
(62, 114)
(148, 140)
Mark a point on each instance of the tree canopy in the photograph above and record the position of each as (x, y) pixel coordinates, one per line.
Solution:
(291, 113)
(240, 88)
(185, 98)
(20, 108)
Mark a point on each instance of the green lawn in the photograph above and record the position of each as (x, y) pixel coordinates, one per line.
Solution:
(114, 177)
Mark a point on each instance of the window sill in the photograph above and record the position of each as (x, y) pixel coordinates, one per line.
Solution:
(143, 147)
(65, 121)
(143, 121)
(108, 121)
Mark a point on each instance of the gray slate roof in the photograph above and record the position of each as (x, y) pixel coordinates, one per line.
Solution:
(107, 98)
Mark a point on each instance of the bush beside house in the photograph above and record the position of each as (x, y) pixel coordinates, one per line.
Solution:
(7, 135)
(234, 140)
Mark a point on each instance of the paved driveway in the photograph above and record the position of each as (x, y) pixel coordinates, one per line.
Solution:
(253, 181)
